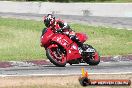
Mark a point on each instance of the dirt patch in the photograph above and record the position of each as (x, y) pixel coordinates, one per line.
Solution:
(5, 65)
(54, 81)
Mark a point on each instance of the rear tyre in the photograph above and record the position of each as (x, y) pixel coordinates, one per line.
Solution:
(93, 57)
(94, 60)
(58, 59)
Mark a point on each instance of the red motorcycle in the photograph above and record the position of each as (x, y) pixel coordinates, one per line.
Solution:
(60, 49)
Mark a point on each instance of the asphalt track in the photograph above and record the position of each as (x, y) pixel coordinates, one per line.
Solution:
(113, 65)
(116, 22)
(108, 65)
(68, 70)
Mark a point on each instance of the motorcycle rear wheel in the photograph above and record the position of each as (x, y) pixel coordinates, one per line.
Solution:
(59, 61)
(94, 59)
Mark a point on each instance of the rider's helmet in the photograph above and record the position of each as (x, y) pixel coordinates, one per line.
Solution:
(49, 20)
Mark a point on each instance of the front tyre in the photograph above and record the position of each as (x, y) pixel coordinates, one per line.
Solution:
(56, 56)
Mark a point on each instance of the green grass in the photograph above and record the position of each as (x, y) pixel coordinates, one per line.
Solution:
(20, 39)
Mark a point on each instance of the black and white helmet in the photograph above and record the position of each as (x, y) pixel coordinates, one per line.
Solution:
(49, 20)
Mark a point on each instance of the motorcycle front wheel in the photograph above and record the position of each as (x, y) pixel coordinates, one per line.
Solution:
(56, 56)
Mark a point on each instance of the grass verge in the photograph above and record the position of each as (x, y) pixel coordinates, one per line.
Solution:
(20, 39)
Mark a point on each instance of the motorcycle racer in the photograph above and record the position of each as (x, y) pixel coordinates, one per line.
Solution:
(57, 40)
(60, 26)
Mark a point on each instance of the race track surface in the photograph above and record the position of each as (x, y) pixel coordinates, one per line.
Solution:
(114, 65)
(116, 22)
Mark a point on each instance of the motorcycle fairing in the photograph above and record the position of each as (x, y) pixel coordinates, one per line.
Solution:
(73, 52)
(62, 40)
(82, 37)
(46, 37)
(69, 45)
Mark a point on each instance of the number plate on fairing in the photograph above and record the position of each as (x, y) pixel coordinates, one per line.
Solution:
(90, 50)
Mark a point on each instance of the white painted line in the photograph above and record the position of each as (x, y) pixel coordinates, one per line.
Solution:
(121, 73)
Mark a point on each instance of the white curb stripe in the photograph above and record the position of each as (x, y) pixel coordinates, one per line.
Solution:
(74, 74)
